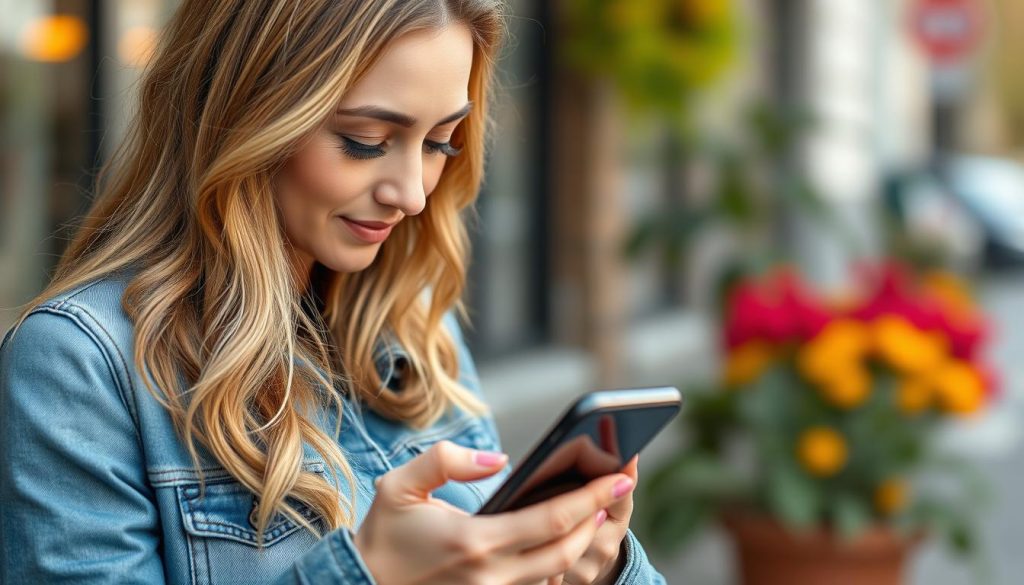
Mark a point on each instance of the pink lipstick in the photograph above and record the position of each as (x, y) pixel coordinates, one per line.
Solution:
(371, 232)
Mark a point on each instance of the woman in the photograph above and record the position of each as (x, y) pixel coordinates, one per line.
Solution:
(247, 367)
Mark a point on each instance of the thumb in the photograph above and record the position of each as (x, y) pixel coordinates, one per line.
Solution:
(631, 467)
(442, 462)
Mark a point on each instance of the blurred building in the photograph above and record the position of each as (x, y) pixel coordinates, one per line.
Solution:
(553, 297)
(558, 308)
(66, 75)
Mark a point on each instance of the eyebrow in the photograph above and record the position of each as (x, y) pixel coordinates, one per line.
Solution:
(399, 118)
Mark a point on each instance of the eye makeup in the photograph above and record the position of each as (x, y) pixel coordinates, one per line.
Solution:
(359, 151)
(444, 147)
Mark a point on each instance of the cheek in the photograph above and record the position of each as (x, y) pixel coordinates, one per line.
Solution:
(314, 174)
(432, 174)
(316, 183)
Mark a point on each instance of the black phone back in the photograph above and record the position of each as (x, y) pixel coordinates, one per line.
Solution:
(597, 436)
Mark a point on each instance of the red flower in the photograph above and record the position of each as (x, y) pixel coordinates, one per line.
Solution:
(777, 309)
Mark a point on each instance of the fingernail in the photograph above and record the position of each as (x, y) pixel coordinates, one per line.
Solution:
(488, 458)
(622, 486)
(602, 515)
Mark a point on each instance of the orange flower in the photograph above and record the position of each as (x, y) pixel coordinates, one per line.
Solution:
(914, 395)
(747, 362)
(840, 345)
(907, 348)
(891, 496)
(822, 451)
(847, 387)
(959, 387)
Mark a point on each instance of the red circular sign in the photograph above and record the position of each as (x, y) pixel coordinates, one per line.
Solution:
(948, 30)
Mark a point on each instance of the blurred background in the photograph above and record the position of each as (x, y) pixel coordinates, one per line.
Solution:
(645, 149)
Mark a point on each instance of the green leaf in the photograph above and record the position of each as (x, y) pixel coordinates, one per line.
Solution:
(642, 236)
(670, 527)
(962, 539)
(693, 474)
(735, 195)
(793, 497)
(850, 514)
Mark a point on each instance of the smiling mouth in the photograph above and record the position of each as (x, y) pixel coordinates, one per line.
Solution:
(371, 232)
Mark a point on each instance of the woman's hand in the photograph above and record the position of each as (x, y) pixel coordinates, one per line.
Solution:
(602, 562)
(408, 537)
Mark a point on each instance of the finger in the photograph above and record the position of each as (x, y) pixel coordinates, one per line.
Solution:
(558, 556)
(442, 462)
(554, 518)
(632, 469)
(605, 547)
(622, 510)
(585, 571)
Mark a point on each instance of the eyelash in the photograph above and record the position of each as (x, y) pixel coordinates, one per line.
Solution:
(359, 151)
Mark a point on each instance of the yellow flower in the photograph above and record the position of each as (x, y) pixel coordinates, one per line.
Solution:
(747, 362)
(840, 345)
(914, 395)
(959, 388)
(822, 451)
(848, 387)
(847, 337)
(907, 348)
(891, 496)
(705, 12)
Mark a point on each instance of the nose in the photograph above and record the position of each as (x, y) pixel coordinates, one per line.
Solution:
(403, 187)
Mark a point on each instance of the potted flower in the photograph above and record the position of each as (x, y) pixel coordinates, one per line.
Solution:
(816, 448)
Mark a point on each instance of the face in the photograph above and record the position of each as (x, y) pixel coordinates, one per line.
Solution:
(376, 161)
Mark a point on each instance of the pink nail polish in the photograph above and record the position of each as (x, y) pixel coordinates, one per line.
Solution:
(488, 458)
(621, 487)
(602, 515)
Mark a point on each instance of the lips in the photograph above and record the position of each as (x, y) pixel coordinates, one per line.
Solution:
(371, 232)
(373, 225)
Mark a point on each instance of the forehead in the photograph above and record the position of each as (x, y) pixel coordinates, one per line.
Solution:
(424, 74)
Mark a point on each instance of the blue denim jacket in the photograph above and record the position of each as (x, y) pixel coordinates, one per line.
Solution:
(97, 487)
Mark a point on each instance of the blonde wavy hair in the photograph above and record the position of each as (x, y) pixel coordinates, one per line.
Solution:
(222, 326)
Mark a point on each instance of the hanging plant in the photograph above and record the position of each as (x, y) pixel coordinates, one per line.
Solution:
(658, 53)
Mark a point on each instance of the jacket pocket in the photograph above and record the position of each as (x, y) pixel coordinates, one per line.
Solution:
(221, 536)
(228, 510)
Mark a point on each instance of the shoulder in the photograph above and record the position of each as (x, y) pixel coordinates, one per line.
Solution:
(84, 328)
(95, 307)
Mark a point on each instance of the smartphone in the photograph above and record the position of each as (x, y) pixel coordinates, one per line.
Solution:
(596, 436)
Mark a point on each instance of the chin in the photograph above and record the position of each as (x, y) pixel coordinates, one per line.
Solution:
(352, 261)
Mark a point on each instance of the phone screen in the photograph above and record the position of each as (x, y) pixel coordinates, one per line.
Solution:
(596, 444)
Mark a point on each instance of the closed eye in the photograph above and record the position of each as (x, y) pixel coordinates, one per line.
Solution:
(360, 151)
(444, 147)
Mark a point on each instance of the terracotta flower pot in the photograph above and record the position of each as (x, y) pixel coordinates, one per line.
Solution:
(768, 554)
